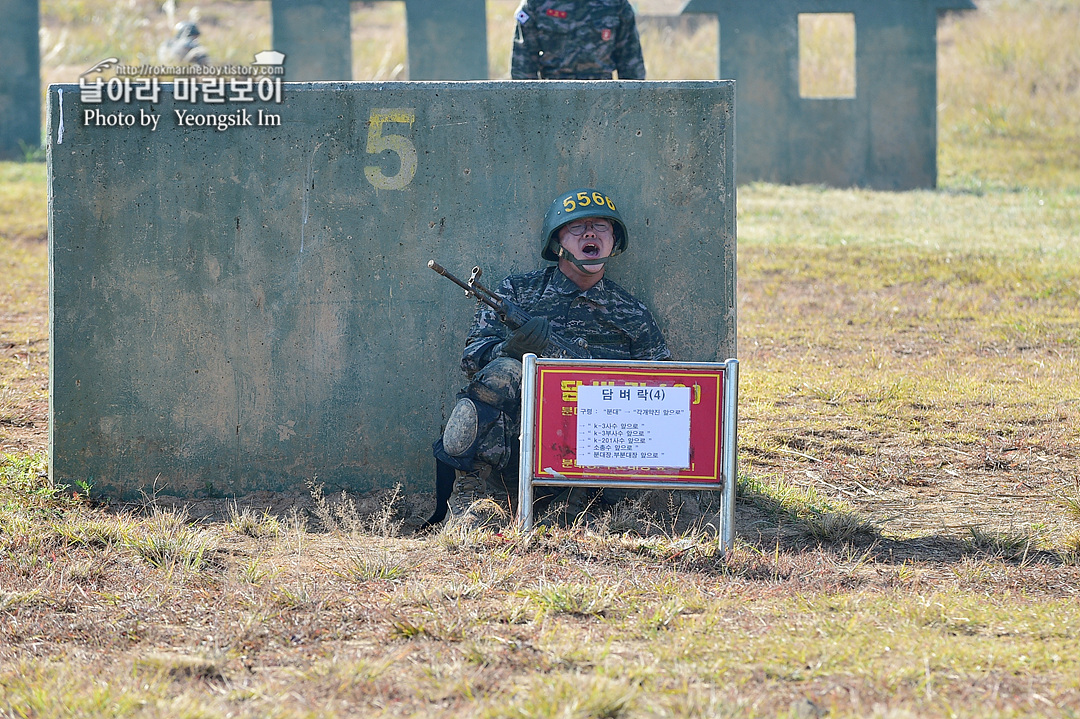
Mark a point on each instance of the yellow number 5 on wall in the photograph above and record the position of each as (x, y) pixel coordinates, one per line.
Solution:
(398, 144)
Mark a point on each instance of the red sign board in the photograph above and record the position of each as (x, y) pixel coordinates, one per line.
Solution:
(555, 431)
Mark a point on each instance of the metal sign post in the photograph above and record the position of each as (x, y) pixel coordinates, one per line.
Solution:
(628, 424)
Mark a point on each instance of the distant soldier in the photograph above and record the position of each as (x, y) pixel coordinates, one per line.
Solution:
(184, 48)
(576, 40)
(582, 231)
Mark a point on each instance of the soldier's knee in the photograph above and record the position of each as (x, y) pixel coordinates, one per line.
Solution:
(498, 384)
(461, 428)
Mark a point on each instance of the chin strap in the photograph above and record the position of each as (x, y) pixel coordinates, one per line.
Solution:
(563, 253)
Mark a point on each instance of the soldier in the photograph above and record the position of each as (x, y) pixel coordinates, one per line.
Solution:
(576, 40)
(582, 231)
(184, 47)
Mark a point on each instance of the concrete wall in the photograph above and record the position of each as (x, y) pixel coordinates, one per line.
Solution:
(20, 79)
(885, 137)
(247, 309)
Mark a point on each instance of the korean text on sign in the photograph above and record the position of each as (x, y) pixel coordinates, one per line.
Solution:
(633, 426)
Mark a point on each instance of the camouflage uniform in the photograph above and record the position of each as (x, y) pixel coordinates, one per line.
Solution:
(575, 40)
(613, 323)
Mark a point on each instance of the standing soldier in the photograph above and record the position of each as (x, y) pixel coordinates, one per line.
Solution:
(573, 299)
(184, 47)
(576, 40)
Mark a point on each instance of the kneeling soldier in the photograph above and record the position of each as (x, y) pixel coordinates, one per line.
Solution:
(582, 232)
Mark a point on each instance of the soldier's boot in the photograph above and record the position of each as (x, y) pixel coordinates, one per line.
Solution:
(472, 505)
(469, 487)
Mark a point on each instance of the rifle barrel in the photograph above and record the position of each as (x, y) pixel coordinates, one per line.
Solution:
(449, 275)
(476, 289)
(432, 264)
(504, 309)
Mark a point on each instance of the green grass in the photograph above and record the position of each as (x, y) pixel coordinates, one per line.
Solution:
(22, 202)
(23, 293)
(1034, 222)
(167, 541)
(1008, 91)
(914, 320)
(574, 599)
(23, 229)
(358, 567)
(245, 520)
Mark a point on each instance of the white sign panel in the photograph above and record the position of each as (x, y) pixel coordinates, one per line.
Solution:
(633, 426)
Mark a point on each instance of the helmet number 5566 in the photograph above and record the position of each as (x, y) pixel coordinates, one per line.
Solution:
(398, 144)
(584, 199)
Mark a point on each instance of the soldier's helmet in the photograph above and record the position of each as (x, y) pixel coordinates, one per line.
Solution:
(575, 205)
(186, 31)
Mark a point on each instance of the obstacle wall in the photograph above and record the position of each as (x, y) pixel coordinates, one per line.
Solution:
(447, 39)
(239, 307)
(884, 137)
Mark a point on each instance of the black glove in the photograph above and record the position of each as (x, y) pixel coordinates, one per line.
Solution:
(530, 337)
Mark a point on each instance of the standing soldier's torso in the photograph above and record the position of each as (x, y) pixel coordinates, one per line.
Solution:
(577, 39)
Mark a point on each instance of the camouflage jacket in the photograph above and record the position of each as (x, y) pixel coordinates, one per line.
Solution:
(576, 40)
(613, 323)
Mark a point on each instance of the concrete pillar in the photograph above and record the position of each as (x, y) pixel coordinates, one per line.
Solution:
(447, 39)
(20, 78)
(885, 137)
(314, 35)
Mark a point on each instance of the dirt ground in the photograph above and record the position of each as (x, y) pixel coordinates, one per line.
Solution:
(921, 497)
(936, 496)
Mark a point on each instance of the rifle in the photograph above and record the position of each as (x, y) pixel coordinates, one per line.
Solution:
(512, 315)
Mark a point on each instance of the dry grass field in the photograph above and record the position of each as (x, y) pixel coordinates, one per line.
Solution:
(908, 529)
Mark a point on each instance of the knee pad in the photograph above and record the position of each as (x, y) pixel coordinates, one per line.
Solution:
(473, 431)
(461, 429)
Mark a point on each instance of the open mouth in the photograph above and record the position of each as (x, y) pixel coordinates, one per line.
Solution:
(590, 250)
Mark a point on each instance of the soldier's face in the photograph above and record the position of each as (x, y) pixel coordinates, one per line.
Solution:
(590, 238)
